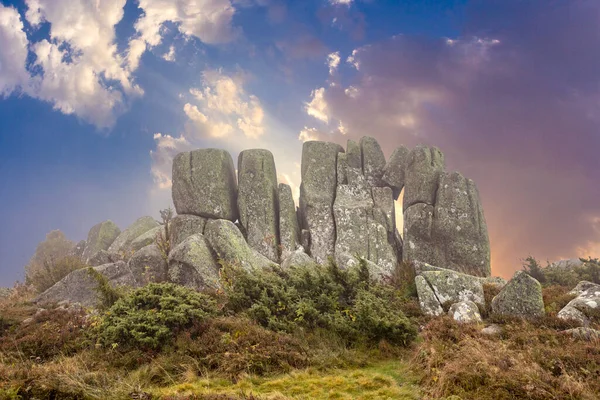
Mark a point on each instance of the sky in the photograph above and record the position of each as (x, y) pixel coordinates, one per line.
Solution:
(97, 96)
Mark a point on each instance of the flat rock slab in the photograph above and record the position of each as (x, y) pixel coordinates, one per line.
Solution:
(204, 184)
(521, 297)
(80, 287)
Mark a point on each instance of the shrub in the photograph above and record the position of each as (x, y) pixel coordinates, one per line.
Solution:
(107, 294)
(347, 303)
(148, 317)
(52, 270)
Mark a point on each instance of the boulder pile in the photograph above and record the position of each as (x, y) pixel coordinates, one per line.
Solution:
(346, 212)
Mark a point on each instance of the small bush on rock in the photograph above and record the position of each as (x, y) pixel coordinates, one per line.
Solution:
(148, 317)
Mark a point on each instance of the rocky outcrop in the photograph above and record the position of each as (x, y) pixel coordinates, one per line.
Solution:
(258, 201)
(289, 231)
(586, 302)
(424, 165)
(146, 239)
(100, 237)
(317, 194)
(204, 184)
(521, 297)
(138, 228)
(149, 265)
(229, 245)
(104, 257)
(193, 264)
(183, 226)
(465, 312)
(394, 171)
(373, 161)
(81, 287)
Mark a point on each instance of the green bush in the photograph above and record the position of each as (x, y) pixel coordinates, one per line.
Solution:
(348, 302)
(149, 317)
(568, 277)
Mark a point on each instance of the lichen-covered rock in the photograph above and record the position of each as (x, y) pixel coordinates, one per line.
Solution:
(317, 193)
(183, 226)
(289, 231)
(393, 173)
(373, 160)
(297, 258)
(229, 244)
(418, 240)
(80, 287)
(492, 330)
(420, 266)
(258, 201)
(459, 229)
(139, 227)
(342, 167)
(521, 297)
(104, 257)
(465, 312)
(100, 237)
(192, 264)
(78, 250)
(428, 301)
(145, 239)
(383, 245)
(423, 168)
(204, 184)
(586, 302)
(149, 265)
(354, 155)
(587, 334)
(452, 287)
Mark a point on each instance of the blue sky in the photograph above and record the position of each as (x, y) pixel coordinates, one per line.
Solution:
(96, 97)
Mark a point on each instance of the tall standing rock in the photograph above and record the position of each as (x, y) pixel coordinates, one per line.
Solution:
(459, 228)
(373, 160)
(204, 184)
(138, 228)
(423, 168)
(289, 232)
(317, 193)
(418, 239)
(258, 201)
(393, 173)
(100, 237)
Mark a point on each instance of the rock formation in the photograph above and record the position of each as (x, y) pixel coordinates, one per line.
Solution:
(521, 297)
(586, 302)
(346, 211)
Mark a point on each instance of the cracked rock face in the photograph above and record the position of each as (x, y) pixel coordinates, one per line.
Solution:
(258, 201)
(204, 184)
(428, 301)
(317, 194)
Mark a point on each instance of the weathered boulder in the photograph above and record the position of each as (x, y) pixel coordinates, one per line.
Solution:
(289, 231)
(373, 161)
(521, 297)
(297, 258)
(104, 257)
(423, 168)
(465, 312)
(183, 226)
(230, 246)
(492, 330)
(428, 301)
(100, 237)
(587, 334)
(452, 287)
(192, 264)
(81, 287)
(146, 239)
(204, 184)
(459, 228)
(317, 193)
(393, 173)
(587, 300)
(149, 265)
(139, 227)
(78, 250)
(258, 201)
(420, 266)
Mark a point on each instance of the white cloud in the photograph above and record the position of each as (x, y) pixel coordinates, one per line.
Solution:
(333, 61)
(167, 147)
(341, 2)
(170, 55)
(317, 107)
(13, 50)
(307, 134)
(208, 20)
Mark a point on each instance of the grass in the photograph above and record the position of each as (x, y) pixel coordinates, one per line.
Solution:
(382, 380)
